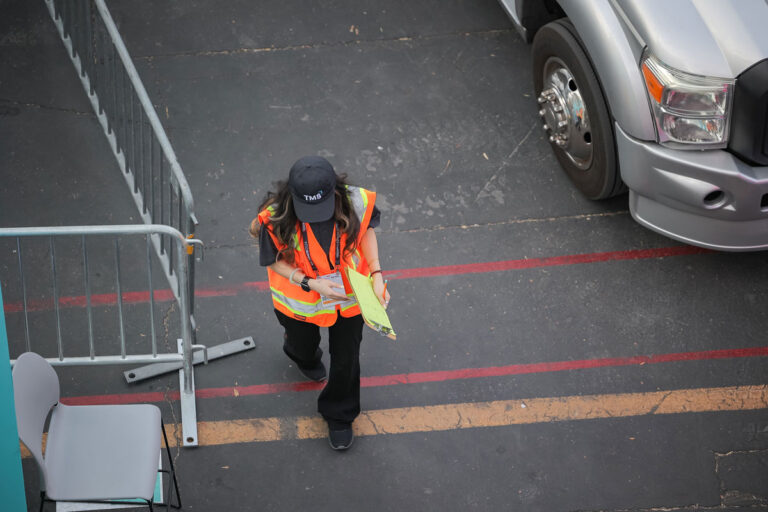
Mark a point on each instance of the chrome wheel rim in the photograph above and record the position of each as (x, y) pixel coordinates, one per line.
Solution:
(565, 115)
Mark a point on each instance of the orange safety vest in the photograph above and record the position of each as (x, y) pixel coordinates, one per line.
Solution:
(294, 302)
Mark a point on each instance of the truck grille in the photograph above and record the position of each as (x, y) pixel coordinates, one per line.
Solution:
(749, 124)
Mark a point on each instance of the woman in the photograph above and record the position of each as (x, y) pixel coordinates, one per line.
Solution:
(310, 231)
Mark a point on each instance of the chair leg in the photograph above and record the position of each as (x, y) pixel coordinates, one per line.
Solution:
(168, 492)
(172, 472)
(44, 499)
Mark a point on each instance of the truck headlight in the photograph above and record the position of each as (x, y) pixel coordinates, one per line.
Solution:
(690, 111)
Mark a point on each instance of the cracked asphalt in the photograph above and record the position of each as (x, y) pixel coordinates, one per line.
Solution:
(430, 104)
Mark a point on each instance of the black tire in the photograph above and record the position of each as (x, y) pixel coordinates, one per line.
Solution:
(601, 179)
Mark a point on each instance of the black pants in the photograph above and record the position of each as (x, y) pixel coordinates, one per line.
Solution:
(339, 402)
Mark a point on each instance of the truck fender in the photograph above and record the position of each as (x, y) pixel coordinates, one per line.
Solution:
(615, 54)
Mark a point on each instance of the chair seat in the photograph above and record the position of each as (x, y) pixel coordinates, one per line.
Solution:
(101, 452)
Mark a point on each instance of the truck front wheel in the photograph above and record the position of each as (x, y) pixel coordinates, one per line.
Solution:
(574, 111)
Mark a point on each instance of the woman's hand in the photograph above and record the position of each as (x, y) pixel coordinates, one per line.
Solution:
(328, 288)
(380, 289)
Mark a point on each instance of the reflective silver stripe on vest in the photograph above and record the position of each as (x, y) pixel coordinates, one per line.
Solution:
(300, 307)
(305, 308)
(360, 205)
(359, 200)
(351, 304)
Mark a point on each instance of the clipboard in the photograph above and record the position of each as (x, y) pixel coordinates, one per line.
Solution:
(374, 314)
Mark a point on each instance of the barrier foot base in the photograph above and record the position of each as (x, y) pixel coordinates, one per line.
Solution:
(215, 352)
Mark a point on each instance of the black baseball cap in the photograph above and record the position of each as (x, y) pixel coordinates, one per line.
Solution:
(312, 181)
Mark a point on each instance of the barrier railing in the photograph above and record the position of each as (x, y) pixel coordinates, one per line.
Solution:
(130, 122)
(152, 172)
(81, 263)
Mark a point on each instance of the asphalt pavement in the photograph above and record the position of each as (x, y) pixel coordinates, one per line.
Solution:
(496, 265)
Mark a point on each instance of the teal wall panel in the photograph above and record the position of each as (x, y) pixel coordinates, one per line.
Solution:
(12, 495)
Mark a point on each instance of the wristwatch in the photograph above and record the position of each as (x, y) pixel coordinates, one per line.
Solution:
(305, 284)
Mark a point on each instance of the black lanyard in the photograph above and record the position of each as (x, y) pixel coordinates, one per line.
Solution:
(306, 247)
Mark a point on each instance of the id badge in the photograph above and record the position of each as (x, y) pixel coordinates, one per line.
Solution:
(336, 278)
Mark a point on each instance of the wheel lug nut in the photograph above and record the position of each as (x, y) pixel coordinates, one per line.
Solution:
(545, 126)
(541, 112)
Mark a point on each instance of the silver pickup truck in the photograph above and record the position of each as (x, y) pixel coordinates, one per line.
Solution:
(666, 98)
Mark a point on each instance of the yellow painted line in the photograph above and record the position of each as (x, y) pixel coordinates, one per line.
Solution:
(500, 413)
(211, 433)
(545, 410)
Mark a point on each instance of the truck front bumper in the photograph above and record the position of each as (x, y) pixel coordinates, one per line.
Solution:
(706, 198)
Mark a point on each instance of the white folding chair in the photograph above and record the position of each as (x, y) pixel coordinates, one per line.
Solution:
(103, 453)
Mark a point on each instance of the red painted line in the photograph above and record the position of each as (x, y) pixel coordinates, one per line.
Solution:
(572, 259)
(80, 301)
(125, 398)
(437, 376)
(108, 299)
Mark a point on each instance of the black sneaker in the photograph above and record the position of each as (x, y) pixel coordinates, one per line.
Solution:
(316, 373)
(341, 439)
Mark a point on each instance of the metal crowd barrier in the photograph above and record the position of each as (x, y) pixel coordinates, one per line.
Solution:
(147, 161)
(130, 122)
(86, 234)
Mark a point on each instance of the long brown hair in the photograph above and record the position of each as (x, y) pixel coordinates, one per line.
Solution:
(284, 220)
